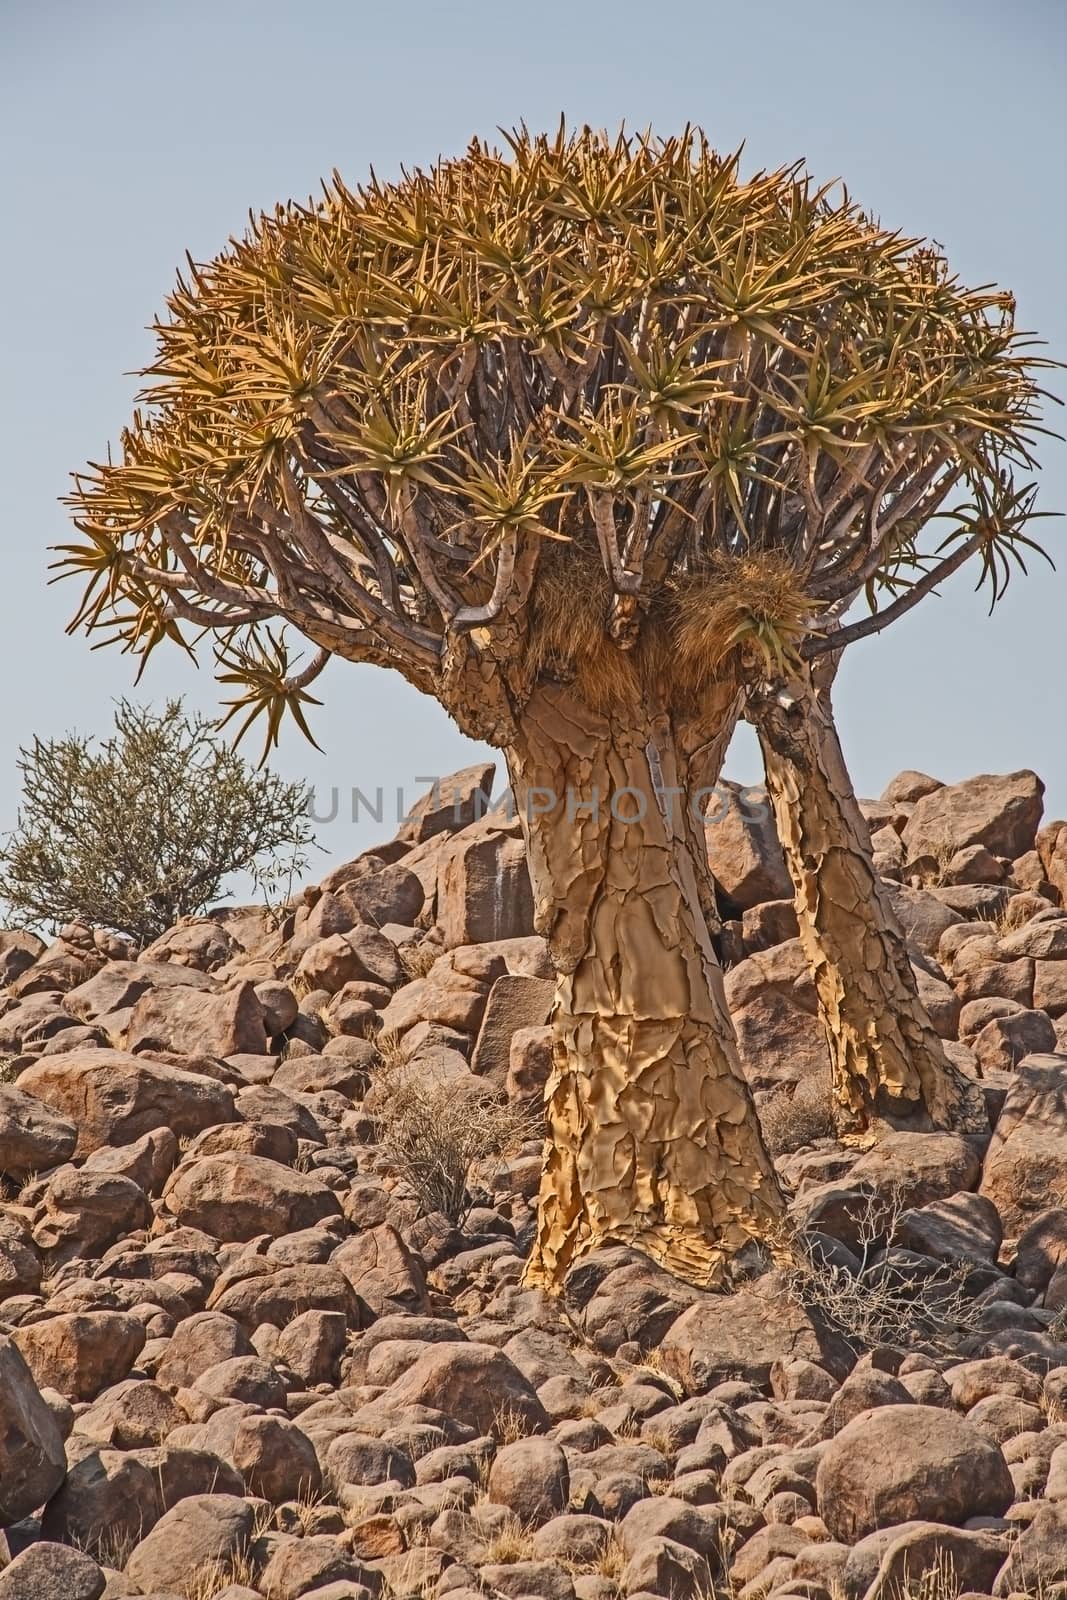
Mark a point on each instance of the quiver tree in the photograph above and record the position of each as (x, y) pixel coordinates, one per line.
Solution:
(519, 427)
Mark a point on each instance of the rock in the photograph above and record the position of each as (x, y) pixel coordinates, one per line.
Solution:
(483, 885)
(904, 1463)
(224, 1024)
(235, 1197)
(664, 1567)
(1025, 1168)
(474, 1383)
(383, 894)
(451, 805)
(147, 1162)
(32, 1461)
(246, 1379)
(280, 1295)
(618, 1296)
(360, 954)
(529, 1064)
(33, 1138)
(107, 1493)
(742, 1335)
(114, 1098)
(83, 1212)
(907, 787)
(20, 1266)
(921, 915)
(133, 1415)
(198, 1344)
(743, 849)
(961, 1228)
(514, 1003)
(1042, 1249)
(774, 1008)
(19, 949)
(1005, 1041)
(312, 1346)
(275, 1458)
(572, 1538)
(917, 1168)
(383, 1271)
(1000, 812)
(47, 1571)
(80, 1353)
(1038, 1559)
(355, 1458)
(196, 1537)
(317, 1564)
(532, 1479)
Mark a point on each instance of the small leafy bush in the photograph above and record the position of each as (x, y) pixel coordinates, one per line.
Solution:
(142, 828)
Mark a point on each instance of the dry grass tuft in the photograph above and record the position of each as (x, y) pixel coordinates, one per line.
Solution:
(512, 1542)
(792, 1121)
(418, 956)
(434, 1136)
(8, 1070)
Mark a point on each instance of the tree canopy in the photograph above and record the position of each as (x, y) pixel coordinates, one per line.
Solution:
(566, 407)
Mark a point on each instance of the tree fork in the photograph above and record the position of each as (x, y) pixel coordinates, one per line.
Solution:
(652, 1138)
(888, 1065)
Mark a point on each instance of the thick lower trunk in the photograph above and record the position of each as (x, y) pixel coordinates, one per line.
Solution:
(652, 1139)
(888, 1065)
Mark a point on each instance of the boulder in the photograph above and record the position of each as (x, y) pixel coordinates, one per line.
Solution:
(1000, 812)
(514, 1003)
(532, 1479)
(48, 1571)
(79, 1353)
(33, 1137)
(483, 884)
(194, 1539)
(1037, 1564)
(19, 949)
(774, 1009)
(474, 1383)
(742, 1335)
(743, 850)
(114, 1098)
(199, 1022)
(903, 1463)
(281, 1293)
(1025, 1168)
(452, 804)
(235, 1197)
(83, 1212)
(383, 1271)
(199, 1343)
(32, 1461)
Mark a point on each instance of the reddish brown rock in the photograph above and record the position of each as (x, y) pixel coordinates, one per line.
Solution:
(903, 1463)
(80, 1353)
(114, 1098)
(234, 1197)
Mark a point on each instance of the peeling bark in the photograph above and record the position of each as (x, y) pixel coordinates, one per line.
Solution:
(888, 1065)
(652, 1138)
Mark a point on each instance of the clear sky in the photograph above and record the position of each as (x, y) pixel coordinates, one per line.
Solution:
(133, 131)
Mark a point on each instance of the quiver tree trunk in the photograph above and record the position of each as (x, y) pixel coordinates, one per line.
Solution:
(651, 1138)
(888, 1065)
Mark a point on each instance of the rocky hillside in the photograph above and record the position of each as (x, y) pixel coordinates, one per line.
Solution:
(244, 1352)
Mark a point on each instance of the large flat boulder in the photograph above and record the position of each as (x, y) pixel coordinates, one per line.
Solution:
(1001, 812)
(114, 1098)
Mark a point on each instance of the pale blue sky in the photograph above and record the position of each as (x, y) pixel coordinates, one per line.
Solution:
(133, 131)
